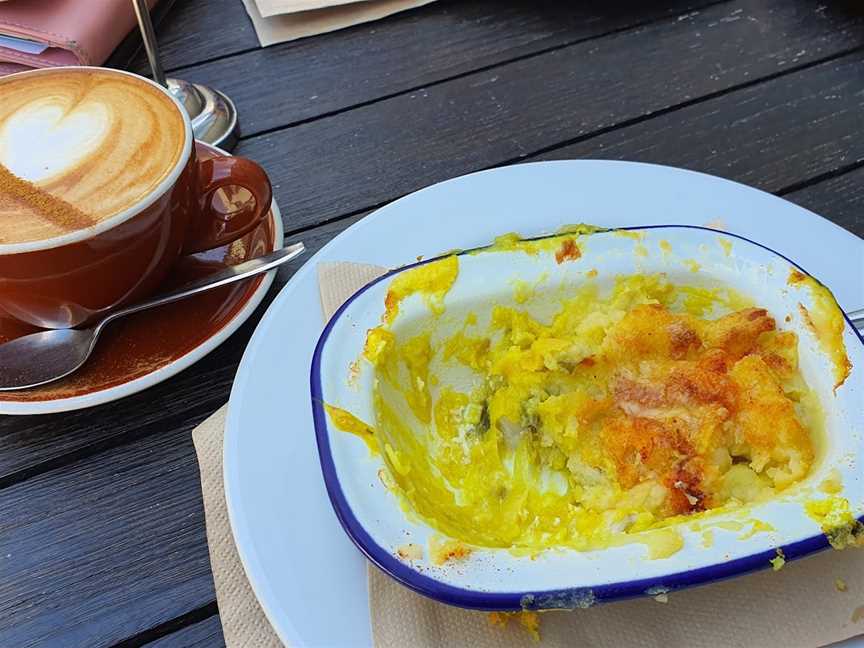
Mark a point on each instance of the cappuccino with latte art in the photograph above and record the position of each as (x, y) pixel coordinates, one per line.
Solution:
(102, 190)
(78, 146)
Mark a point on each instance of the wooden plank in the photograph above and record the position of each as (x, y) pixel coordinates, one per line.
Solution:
(375, 153)
(34, 444)
(770, 136)
(105, 548)
(204, 634)
(294, 81)
(839, 199)
(195, 31)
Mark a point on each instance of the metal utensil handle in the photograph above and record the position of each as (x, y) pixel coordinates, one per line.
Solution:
(227, 276)
(142, 11)
(857, 319)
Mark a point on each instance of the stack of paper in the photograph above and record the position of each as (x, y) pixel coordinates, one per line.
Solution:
(277, 21)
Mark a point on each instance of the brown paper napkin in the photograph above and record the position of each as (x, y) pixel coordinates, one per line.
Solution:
(795, 607)
(290, 26)
(243, 620)
(801, 605)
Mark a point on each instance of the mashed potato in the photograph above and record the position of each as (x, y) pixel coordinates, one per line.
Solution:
(625, 410)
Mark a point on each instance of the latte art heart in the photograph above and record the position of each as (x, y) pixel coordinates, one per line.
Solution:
(45, 124)
(78, 147)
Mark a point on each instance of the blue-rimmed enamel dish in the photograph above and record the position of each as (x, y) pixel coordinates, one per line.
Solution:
(496, 579)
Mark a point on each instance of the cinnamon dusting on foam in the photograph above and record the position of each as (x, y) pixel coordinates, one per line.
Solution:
(57, 211)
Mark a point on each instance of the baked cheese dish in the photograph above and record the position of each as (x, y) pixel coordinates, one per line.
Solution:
(626, 409)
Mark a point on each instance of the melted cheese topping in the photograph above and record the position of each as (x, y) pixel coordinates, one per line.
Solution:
(599, 428)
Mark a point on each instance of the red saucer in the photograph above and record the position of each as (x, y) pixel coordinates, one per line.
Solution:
(147, 343)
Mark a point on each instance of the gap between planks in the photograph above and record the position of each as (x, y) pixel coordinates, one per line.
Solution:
(171, 626)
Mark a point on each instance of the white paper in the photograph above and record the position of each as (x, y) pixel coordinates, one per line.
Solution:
(269, 8)
(286, 27)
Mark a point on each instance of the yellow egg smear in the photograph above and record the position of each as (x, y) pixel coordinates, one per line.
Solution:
(779, 561)
(443, 550)
(431, 280)
(629, 409)
(528, 620)
(837, 521)
(524, 291)
(564, 244)
(825, 320)
(345, 421)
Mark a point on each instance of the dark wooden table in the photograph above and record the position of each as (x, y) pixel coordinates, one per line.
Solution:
(102, 536)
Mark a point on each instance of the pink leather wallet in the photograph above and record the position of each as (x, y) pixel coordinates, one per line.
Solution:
(76, 32)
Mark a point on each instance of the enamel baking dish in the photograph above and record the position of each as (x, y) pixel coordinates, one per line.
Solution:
(496, 579)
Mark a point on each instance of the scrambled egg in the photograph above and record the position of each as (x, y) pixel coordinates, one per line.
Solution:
(442, 550)
(432, 280)
(530, 621)
(838, 524)
(826, 321)
(347, 422)
(599, 427)
(779, 561)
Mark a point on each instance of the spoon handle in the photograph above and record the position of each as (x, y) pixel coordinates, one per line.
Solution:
(227, 276)
(148, 35)
(857, 318)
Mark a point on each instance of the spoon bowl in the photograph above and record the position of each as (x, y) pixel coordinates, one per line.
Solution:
(43, 357)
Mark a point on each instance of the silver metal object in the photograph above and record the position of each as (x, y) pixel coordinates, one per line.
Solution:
(44, 357)
(149, 35)
(857, 318)
(213, 114)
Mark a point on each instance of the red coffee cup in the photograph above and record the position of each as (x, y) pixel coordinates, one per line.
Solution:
(66, 280)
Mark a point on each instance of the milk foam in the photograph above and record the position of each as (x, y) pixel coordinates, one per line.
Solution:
(46, 126)
(96, 141)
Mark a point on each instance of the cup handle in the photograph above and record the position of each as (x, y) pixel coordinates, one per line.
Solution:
(213, 229)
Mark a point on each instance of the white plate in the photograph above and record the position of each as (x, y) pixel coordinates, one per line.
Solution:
(296, 556)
